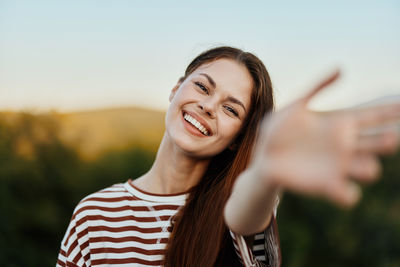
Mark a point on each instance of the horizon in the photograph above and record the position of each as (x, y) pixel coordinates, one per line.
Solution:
(38, 111)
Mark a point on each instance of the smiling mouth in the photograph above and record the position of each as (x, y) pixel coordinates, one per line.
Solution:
(196, 124)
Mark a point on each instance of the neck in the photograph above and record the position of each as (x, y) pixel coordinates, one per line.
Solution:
(173, 171)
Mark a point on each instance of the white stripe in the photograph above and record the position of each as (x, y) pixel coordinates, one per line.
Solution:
(258, 247)
(61, 257)
(71, 239)
(123, 213)
(73, 253)
(126, 203)
(260, 257)
(82, 240)
(130, 233)
(115, 187)
(243, 249)
(89, 262)
(143, 225)
(99, 256)
(259, 236)
(81, 262)
(127, 244)
(108, 195)
(119, 204)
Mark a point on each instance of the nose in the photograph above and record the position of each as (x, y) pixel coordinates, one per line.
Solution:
(208, 107)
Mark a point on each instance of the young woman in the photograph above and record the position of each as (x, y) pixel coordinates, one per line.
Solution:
(210, 197)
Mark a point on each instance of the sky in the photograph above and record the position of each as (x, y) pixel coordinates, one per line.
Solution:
(80, 55)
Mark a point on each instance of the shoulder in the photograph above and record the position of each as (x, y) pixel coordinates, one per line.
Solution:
(105, 199)
(111, 192)
(93, 207)
(102, 204)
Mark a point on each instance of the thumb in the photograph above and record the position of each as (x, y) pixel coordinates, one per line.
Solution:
(323, 84)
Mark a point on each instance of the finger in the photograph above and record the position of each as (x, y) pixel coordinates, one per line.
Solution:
(327, 81)
(364, 167)
(343, 193)
(378, 115)
(381, 142)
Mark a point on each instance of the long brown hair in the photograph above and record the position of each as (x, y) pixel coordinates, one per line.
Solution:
(200, 236)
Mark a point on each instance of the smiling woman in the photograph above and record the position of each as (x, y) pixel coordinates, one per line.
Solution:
(213, 98)
(210, 197)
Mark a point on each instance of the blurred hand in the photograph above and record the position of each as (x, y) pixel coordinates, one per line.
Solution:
(324, 154)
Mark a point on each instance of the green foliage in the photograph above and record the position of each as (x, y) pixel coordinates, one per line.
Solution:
(41, 181)
(33, 196)
(315, 233)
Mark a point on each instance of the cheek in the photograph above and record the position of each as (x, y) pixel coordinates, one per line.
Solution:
(230, 130)
(183, 91)
(172, 117)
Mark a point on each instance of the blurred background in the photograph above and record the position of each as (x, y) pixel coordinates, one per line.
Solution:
(84, 87)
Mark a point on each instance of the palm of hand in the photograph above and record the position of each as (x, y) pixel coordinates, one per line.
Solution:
(322, 154)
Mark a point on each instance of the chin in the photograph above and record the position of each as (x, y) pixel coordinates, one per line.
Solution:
(197, 151)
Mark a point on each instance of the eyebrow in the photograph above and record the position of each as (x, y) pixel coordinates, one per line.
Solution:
(236, 101)
(210, 80)
(230, 98)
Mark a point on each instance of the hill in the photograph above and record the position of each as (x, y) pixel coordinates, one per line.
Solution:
(97, 131)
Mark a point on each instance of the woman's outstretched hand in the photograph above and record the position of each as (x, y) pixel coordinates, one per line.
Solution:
(324, 154)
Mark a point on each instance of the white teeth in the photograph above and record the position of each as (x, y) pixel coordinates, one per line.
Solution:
(195, 123)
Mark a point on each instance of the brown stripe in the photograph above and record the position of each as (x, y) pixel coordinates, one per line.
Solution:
(78, 256)
(237, 248)
(59, 262)
(71, 232)
(71, 264)
(120, 219)
(126, 260)
(82, 233)
(124, 229)
(128, 249)
(108, 199)
(126, 239)
(62, 252)
(127, 207)
(86, 257)
(72, 247)
(84, 245)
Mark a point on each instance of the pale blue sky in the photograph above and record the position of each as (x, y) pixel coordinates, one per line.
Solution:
(74, 55)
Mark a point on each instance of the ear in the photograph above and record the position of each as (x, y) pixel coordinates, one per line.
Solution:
(173, 91)
(176, 87)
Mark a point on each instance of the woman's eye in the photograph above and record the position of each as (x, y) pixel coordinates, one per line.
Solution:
(202, 87)
(231, 110)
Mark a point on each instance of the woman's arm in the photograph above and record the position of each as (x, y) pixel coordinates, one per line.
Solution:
(250, 206)
(311, 153)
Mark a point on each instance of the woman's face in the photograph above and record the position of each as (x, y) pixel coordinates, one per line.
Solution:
(209, 107)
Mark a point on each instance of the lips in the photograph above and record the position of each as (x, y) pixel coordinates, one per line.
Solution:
(197, 122)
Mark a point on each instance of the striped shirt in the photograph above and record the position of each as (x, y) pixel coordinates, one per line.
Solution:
(124, 226)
